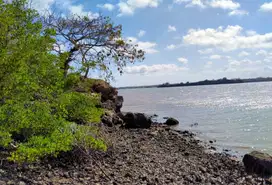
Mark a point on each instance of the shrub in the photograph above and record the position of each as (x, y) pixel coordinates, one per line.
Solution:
(74, 82)
(80, 108)
(38, 133)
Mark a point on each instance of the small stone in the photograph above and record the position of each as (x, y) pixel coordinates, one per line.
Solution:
(66, 175)
(128, 175)
(11, 183)
(49, 166)
(213, 148)
(2, 171)
(22, 183)
(49, 174)
(204, 170)
(144, 178)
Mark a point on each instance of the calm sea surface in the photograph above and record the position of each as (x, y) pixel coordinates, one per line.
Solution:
(238, 116)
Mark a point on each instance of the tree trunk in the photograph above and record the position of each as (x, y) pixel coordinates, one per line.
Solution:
(68, 61)
(87, 72)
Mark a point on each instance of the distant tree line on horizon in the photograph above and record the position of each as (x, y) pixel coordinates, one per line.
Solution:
(217, 82)
(204, 82)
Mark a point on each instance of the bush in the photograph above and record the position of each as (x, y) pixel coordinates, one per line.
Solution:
(80, 108)
(74, 82)
(38, 133)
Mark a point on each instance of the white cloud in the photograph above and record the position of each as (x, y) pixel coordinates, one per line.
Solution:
(224, 4)
(183, 60)
(157, 68)
(196, 3)
(41, 5)
(208, 65)
(171, 47)
(243, 54)
(141, 33)
(125, 9)
(251, 32)
(107, 6)
(215, 57)
(148, 47)
(262, 53)
(79, 10)
(205, 51)
(181, 1)
(243, 65)
(66, 5)
(230, 38)
(128, 7)
(238, 13)
(172, 28)
(266, 7)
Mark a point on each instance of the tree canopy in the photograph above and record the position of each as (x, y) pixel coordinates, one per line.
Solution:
(92, 43)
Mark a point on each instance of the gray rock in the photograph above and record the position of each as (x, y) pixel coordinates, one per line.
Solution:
(118, 103)
(109, 104)
(171, 122)
(22, 183)
(259, 163)
(111, 118)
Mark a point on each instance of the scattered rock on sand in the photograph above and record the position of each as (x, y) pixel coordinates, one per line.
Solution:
(259, 163)
(171, 122)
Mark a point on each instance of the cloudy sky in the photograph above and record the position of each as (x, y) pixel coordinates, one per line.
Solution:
(187, 40)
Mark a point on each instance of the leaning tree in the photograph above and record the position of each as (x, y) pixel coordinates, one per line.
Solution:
(91, 43)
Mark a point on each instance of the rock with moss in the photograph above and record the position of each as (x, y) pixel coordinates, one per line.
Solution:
(259, 163)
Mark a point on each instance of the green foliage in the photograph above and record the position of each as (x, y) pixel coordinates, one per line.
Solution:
(37, 118)
(74, 82)
(61, 140)
(80, 108)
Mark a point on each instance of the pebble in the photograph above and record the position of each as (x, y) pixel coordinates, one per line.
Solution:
(22, 183)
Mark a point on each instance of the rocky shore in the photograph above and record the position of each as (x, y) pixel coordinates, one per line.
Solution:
(157, 155)
(140, 152)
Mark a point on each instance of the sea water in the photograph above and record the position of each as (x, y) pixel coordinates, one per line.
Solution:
(237, 116)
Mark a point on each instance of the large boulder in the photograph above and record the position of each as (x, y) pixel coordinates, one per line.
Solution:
(171, 122)
(105, 89)
(259, 163)
(136, 120)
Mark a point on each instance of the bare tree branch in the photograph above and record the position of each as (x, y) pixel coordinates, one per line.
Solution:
(94, 41)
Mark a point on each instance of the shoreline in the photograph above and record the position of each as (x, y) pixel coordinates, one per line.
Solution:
(158, 155)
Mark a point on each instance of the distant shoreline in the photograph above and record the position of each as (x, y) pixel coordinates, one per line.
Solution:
(202, 83)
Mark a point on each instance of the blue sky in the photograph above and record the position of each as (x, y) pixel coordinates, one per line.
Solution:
(187, 40)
